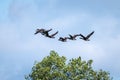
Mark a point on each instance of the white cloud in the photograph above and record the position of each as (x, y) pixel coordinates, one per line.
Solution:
(17, 36)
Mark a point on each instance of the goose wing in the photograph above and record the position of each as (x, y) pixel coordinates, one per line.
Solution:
(70, 36)
(82, 36)
(90, 34)
(54, 34)
(48, 30)
(37, 31)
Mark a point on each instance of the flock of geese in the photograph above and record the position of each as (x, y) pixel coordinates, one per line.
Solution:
(63, 39)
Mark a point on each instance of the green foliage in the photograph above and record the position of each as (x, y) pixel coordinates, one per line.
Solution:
(54, 67)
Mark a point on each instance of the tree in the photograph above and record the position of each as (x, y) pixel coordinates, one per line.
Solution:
(54, 67)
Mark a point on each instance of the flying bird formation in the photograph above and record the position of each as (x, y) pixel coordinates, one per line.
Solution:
(63, 39)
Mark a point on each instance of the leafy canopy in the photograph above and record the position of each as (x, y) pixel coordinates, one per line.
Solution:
(54, 67)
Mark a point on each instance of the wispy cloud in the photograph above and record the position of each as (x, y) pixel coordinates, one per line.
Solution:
(19, 44)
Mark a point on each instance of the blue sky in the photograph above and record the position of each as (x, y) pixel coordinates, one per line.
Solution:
(19, 47)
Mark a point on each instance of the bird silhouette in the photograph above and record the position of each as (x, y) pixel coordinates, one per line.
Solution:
(73, 37)
(39, 31)
(45, 32)
(86, 38)
(63, 39)
(52, 35)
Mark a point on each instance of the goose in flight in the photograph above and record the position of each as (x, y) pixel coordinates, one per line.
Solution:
(63, 39)
(73, 37)
(52, 35)
(86, 38)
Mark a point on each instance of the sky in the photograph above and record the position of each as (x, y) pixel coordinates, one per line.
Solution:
(20, 48)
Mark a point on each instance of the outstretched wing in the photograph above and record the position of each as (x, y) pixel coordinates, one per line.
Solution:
(54, 34)
(48, 30)
(82, 36)
(45, 32)
(37, 31)
(89, 34)
(70, 36)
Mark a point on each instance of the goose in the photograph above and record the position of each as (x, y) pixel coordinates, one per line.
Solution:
(86, 38)
(63, 39)
(73, 37)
